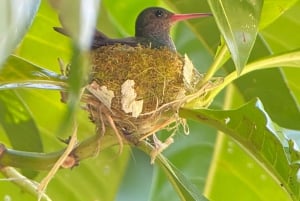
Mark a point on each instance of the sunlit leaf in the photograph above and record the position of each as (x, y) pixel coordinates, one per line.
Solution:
(186, 190)
(239, 32)
(273, 9)
(19, 73)
(16, 116)
(235, 167)
(253, 129)
(252, 83)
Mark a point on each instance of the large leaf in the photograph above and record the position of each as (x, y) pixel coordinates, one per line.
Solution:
(239, 32)
(16, 116)
(282, 104)
(15, 17)
(196, 150)
(278, 36)
(272, 10)
(253, 129)
(185, 189)
(236, 176)
(272, 88)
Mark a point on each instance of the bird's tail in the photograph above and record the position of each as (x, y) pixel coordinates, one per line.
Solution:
(99, 38)
(97, 34)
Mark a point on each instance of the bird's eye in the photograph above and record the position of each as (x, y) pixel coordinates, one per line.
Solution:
(159, 13)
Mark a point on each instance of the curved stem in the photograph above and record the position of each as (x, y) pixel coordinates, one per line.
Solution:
(289, 59)
(23, 182)
(45, 161)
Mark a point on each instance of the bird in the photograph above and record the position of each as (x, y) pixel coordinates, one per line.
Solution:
(152, 29)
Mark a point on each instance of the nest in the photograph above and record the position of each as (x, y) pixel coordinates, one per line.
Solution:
(138, 91)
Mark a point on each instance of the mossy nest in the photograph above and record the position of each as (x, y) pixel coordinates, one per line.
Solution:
(138, 90)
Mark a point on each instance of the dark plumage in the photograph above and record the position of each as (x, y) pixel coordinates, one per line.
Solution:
(152, 29)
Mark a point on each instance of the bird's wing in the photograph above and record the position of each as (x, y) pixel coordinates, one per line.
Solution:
(131, 41)
(100, 39)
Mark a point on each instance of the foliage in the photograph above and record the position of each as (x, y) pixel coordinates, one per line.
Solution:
(255, 158)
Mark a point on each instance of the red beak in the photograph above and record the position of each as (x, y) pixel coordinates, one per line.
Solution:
(180, 17)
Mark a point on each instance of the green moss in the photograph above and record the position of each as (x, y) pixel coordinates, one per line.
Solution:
(157, 73)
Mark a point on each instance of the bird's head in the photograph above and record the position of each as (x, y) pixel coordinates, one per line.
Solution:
(156, 22)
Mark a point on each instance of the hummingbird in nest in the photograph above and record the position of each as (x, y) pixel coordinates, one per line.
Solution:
(152, 29)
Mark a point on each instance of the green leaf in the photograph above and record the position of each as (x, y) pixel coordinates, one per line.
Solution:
(79, 22)
(236, 176)
(254, 81)
(278, 36)
(15, 17)
(184, 188)
(287, 59)
(19, 73)
(253, 129)
(15, 117)
(272, 10)
(285, 110)
(239, 32)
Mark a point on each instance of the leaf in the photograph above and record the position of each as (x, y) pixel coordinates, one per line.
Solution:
(253, 129)
(239, 32)
(15, 117)
(15, 17)
(279, 39)
(78, 19)
(254, 81)
(19, 73)
(286, 59)
(185, 189)
(272, 10)
(280, 103)
(232, 166)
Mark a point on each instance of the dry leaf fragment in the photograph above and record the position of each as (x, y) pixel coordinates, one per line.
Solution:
(129, 104)
(102, 94)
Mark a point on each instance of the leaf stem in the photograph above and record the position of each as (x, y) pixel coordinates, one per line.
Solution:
(291, 59)
(220, 59)
(23, 182)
